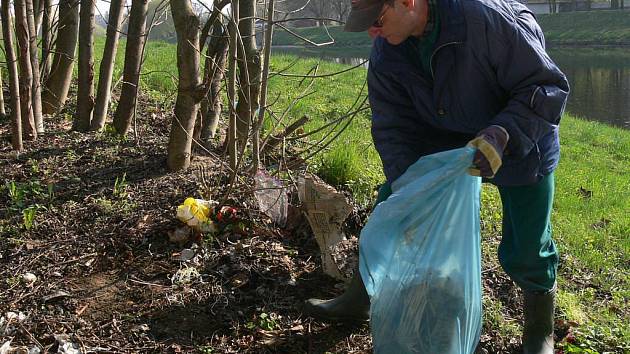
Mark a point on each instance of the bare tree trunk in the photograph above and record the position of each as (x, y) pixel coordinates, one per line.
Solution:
(189, 86)
(249, 70)
(38, 9)
(26, 72)
(14, 86)
(85, 88)
(2, 111)
(37, 84)
(46, 39)
(263, 87)
(60, 78)
(133, 62)
(232, 57)
(104, 93)
(214, 71)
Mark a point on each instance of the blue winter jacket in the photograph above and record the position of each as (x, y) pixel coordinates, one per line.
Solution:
(489, 67)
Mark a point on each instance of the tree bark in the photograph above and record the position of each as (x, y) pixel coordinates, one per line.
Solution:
(103, 94)
(231, 89)
(133, 61)
(2, 111)
(189, 86)
(38, 15)
(26, 73)
(263, 87)
(249, 71)
(46, 39)
(37, 84)
(85, 87)
(60, 78)
(214, 71)
(14, 86)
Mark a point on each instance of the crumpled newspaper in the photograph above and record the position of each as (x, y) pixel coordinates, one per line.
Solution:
(326, 210)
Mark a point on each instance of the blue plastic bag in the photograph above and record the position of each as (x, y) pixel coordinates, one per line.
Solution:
(420, 259)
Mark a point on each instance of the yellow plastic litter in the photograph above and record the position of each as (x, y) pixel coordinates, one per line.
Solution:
(195, 213)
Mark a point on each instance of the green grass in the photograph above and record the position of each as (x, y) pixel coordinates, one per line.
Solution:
(351, 161)
(592, 234)
(610, 27)
(159, 72)
(319, 35)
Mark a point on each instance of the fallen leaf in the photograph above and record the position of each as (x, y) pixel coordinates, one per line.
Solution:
(239, 280)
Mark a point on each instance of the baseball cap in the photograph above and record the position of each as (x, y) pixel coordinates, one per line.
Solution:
(363, 13)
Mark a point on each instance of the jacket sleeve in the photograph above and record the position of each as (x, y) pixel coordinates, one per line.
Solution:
(537, 89)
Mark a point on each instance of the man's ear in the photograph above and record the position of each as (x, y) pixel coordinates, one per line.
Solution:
(408, 4)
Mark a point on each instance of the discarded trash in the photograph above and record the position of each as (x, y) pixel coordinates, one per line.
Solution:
(8, 322)
(326, 209)
(66, 346)
(29, 278)
(196, 214)
(185, 276)
(6, 348)
(226, 214)
(272, 197)
(142, 328)
(187, 254)
(420, 259)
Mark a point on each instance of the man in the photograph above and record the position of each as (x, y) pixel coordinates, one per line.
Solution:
(444, 73)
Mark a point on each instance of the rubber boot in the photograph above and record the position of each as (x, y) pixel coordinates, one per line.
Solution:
(538, 329)
(353, 306)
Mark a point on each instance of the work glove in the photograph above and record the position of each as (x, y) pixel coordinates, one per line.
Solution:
(490, 144)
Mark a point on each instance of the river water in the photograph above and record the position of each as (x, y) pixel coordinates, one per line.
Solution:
(599, 77)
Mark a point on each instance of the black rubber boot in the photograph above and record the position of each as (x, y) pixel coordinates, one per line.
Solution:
(353, 306)
(538, 329)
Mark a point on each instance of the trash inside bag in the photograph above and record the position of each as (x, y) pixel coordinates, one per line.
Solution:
(420, 259)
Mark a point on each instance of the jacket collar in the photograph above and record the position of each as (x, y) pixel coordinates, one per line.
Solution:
(452, 22)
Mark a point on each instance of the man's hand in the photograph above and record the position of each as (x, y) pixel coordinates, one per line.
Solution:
(490, 144)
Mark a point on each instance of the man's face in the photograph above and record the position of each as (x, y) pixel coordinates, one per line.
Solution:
(399, 20)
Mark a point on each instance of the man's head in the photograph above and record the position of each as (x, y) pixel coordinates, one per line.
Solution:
(394, 20)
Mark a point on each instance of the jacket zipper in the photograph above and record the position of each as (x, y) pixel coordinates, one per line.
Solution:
(433, 75)
(435, 52)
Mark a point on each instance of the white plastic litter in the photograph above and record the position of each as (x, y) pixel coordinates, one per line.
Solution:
(66, 346)
(272, 197)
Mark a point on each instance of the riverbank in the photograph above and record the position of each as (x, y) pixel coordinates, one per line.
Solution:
(597, 28)
(583, 28)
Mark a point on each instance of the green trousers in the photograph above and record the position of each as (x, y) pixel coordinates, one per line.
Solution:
(527, 252)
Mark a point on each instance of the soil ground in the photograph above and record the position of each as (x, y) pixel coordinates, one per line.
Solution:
(109, 278)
